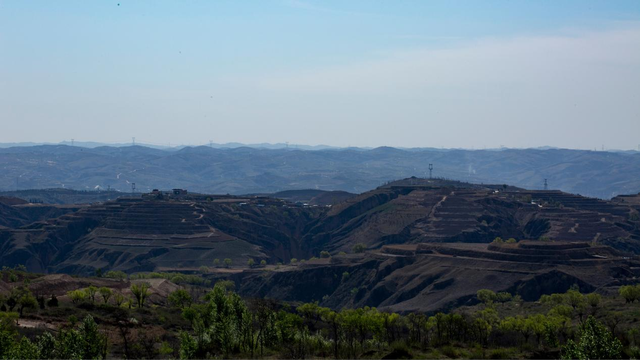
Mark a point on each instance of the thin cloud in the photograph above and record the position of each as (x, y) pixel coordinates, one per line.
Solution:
(524, 60)
(303, 5)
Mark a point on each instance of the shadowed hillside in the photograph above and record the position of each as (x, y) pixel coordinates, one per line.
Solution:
(401, 244)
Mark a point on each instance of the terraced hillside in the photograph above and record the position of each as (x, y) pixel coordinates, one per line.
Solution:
(432, 277)
(183, 233)
(132, 234)
(423, 212)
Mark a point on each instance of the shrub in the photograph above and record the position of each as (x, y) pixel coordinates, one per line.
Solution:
(325, 254)
(53, 302)
(450, 351)
(503, 297)
(345, 276)
(359, 248)
(486, 296)
(630, 293)
(500, 353)
(120, 275)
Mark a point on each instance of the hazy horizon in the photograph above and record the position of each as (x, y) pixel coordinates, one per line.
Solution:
(229, 145)
(409, 74)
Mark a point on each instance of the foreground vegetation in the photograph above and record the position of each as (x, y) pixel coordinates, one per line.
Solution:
(99, 322)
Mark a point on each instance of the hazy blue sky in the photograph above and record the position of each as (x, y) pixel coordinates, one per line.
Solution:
(360, 73)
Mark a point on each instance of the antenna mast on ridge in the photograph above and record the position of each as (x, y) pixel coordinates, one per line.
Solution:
(430, 171)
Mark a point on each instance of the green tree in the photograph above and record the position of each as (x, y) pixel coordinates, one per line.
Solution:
(594, 301)
(486, 296)
(140, 292)
(93, 342)
(594, 342)
(630, 293)
(91, 293)
(263, 262)
(216, 262)
(118, 298)
(574, 298)
(23, 349)
(325, 254)
(77, 296)
(106, 293)
(180, 299)
(22, 298)
(227, 262)
(251, 263)
(27, 301)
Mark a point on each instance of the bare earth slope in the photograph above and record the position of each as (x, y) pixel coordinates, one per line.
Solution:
(429, 278)
(427, 242)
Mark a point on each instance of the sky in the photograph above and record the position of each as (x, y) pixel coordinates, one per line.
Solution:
(452, 74)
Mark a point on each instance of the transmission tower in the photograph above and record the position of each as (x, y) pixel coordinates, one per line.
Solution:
(133, 188)
(133, 141)
(546, 185)
(430, 171)
(72, 141)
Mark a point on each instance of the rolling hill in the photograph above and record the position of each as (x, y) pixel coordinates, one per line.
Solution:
(246, 170)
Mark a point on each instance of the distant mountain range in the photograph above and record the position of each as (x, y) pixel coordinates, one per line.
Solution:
(232, 145)
(244, 170)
